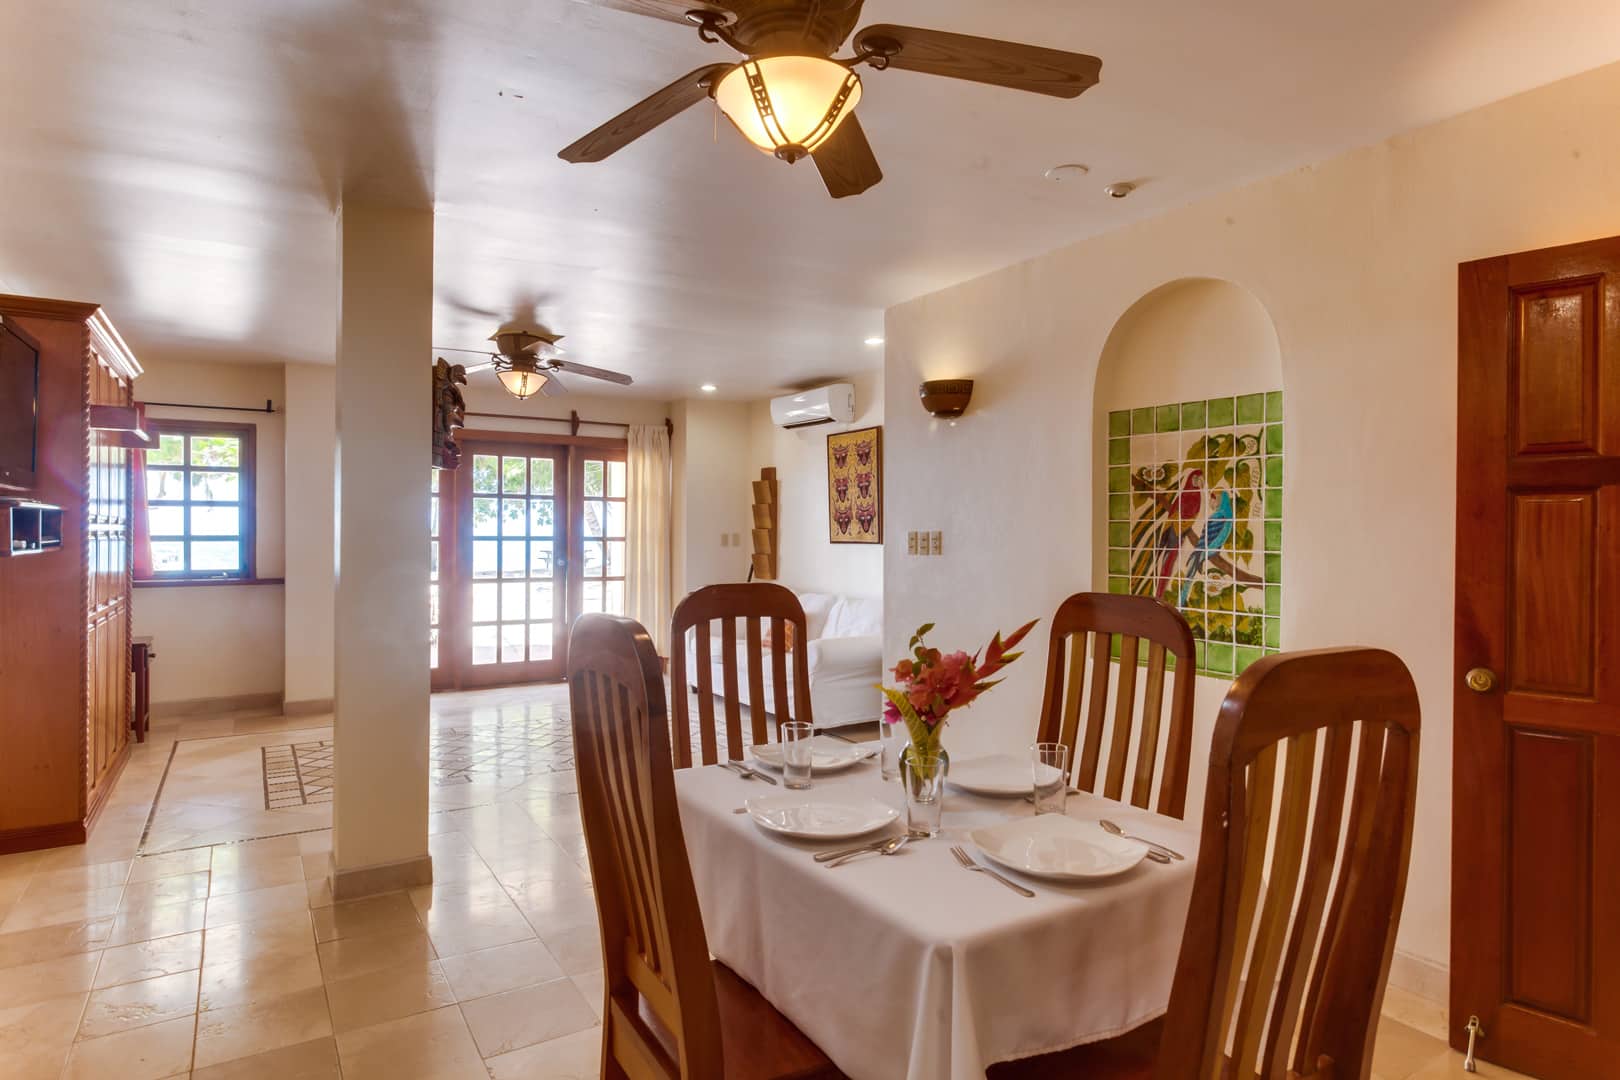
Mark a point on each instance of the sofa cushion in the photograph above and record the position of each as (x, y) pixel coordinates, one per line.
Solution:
(816, 608)
(855, 616)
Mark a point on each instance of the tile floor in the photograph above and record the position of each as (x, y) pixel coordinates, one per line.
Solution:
(211, 956)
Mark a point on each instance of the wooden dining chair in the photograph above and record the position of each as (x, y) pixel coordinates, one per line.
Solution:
(756, 605)
(1094, 620)
(669, 1010)
(1284, 957)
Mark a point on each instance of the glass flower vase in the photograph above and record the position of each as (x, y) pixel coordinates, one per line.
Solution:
(922, 774)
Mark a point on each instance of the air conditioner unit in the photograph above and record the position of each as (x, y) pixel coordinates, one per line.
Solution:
(833, 404)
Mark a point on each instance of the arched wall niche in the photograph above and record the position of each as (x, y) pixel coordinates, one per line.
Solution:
(1187, 409)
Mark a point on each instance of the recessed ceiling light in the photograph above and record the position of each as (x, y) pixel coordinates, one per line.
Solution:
(874, 341)
(708, 388)
(1066, 172)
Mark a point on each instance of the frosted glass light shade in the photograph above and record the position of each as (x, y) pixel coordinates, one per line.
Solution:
(522, 382)
(788, 105)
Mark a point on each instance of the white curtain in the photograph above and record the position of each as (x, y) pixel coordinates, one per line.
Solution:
(647, 528)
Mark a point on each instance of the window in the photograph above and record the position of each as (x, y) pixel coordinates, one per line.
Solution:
(603, 529)
(199, 500)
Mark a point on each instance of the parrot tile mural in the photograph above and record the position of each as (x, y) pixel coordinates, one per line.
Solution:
(1195, 519)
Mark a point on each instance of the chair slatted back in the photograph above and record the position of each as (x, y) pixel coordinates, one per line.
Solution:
(653, 946)
(1084, 627)
(1283, 963)
(753, 604)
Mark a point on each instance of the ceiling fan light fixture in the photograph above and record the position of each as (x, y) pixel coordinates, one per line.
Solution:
(521, 380)
(788, 105)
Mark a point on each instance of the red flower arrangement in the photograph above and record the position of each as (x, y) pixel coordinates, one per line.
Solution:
(934, 684)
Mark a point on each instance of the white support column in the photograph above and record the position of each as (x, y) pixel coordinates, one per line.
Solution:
(384, 387)
(311, 505)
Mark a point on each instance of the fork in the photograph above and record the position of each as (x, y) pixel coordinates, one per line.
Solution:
(968, 864)
(748, 774)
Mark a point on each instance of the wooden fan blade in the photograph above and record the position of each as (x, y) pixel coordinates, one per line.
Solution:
(985, 60)
(674, 10)
(590, 372)
(846, 161)
(645, 115)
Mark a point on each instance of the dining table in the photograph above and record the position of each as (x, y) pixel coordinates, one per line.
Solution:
(909, 965)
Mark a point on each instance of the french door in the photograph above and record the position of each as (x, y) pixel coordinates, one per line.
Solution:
(527, 535)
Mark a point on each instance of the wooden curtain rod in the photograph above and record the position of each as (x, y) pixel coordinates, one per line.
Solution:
(573, 420)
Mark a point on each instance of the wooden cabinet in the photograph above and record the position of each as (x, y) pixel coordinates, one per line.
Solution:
(65, 693)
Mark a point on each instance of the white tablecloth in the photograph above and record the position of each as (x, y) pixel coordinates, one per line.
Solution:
(909, 966)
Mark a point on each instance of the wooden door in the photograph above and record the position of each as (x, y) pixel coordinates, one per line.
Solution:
(1535, 950)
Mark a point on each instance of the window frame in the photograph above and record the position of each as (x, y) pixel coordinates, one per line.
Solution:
(246, 504)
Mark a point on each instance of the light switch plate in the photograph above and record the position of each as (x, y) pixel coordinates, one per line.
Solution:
(911, 542)
(937, 542)
(736, 539)
(725, 541)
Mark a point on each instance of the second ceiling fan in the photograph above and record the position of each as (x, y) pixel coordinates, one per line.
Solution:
(792, 98)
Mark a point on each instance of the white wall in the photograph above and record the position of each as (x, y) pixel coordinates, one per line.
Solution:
(217, 641)
(311, 419)
(807, 560)
(713, 467)
(1356, 262)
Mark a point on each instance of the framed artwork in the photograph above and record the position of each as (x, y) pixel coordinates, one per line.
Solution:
(855, 487)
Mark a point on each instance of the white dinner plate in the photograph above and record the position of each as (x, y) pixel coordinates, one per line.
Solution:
(811, 818)
(1001, 775)
(1058, 847)
(828, 757)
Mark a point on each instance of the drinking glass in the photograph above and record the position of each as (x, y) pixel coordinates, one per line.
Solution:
(892, 739)
(1049, 764)
(923, 775)
(796, 753)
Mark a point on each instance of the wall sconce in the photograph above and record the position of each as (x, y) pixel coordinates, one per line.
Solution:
(946, 398)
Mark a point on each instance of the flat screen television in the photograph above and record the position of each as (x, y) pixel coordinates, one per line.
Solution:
(19, 408)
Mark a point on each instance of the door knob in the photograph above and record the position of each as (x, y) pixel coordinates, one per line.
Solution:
(1480, 680)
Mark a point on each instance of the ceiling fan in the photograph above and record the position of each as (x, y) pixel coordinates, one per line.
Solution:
(526, 360)
(792, 98)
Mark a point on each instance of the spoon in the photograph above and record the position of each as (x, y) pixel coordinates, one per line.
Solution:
(1109, 826)
(888, 847)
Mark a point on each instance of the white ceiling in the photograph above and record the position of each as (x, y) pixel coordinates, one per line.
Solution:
(179, 160)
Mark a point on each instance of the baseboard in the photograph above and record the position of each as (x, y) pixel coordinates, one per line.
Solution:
(386, 877)
(36, 837)
(310, 707)
(165, 710)
(1420, 976)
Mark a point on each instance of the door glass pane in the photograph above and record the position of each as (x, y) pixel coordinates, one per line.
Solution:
(166, 521)
(433, 605)
(485, 522)
(512, 558)
(215, 486)
(593, 596)
(485, 554)
(170, 450)
(615, 479)
(540, 600)
(483, 644)
(514, 517)
(540, 517)
(216, 520)
(614, 602)
(216, 555)
(593, 517)
(433, 517)
(433, 480)
(484, 474)
(540, 563)
(168, 555)
(540, 476)
(514, 601)
(219, 451)
(615, 519)
(615, 558)
(433, 647)
(514, 475)
(540, 641)
(593, 558)
(512, 644)
(433, 560)
(484, 600)
(165, 484)
(593, 478)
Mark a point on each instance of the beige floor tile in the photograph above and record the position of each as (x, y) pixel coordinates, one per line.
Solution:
(1426, 1016)
(144, 1053)
(347, 957)
(54, 909)
(428, 1046)
(166, 920)
(592, 986)
(1448, 1066)
(35, 1039)
(132, 1005)
(261, 1026)
(170, 889)
(572, 1057)
(457, 930)
(390, 913)
(239, 907)
(556, 905)
(258, 976)
(49, 942)
(314, 1060)
(504, 967)
(578, 949)
(79, 879)
(30, 983)
(387, 994)
(152, 867)
(240, 876)
(240, 940)
(150, 959)
(505, 1022)
(1402, 1050)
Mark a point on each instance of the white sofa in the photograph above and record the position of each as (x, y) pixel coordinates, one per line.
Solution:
(845, 656)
